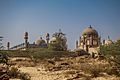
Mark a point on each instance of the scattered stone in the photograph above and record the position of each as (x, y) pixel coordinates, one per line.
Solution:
(64, 63)
(52, 62)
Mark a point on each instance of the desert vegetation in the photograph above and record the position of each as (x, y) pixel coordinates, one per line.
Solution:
(112, 55)
(7, 72)
(45, 64)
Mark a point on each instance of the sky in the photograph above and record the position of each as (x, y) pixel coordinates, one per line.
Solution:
(39, 17)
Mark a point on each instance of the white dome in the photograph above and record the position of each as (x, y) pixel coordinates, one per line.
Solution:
(89, 31)
(108, 42)
(53, 39)
(40, 41)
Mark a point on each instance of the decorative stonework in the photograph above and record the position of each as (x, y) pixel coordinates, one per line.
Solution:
(89, 41)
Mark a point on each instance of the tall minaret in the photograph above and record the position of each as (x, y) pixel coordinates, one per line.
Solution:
(26, 39)
(8, 45)
(80, 41)
(103, 42)
(99, 41)
(108, 37)
(47, 37)
(76, 44)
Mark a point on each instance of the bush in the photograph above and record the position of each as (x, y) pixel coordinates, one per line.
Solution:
(112, 71)
(92, 69)
(95, 72)
(24, 76)
(112, 55)
(15, 73)
(59, 44)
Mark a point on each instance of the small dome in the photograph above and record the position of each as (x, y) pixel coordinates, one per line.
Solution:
(108, 42)
(53, 39)
(40, 41)
(90, 31)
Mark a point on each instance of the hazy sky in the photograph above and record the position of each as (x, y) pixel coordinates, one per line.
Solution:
(71, 16)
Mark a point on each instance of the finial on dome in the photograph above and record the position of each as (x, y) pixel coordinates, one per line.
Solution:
(59, 30)
(40, 37)
(108, 37)
(90, 26)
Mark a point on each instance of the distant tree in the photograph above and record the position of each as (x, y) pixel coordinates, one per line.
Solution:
(4, 58)
(112, 54)
(111, 49)
(60, 43)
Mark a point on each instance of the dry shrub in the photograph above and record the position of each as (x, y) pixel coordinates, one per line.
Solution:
(112, 71)
(93, 70)
(48, 66)
(70, 72)
(15, 73)
(24, 76)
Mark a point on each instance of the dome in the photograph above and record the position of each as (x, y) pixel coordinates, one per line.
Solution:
(40, 41)
(53, 39)
(90, 31)
(108, 42)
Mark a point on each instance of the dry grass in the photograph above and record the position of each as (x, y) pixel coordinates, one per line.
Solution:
(63, 66)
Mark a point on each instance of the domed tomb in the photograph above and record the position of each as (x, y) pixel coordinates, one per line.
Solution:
(40, 42)
(108, 41)
(89, 40)
(89, 31)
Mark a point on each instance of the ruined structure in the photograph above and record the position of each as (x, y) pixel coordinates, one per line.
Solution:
(89, 41)
(107, 41)
(39, 43)
(26, 39)
(58, 41)
(47, 37)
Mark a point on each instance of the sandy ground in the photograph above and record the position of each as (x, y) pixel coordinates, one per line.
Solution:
(40, 73)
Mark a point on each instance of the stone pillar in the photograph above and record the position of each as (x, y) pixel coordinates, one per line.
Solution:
(87, 48)
(84, 42)
(80, 41)
(26, 39)
(47, 37)
(76, 44)
(8, 45)
(92, 40)
(99, 40)
(103, 42)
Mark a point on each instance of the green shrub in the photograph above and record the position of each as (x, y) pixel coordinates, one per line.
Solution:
(112, 55)
(24, 76)
(92, 69)
(112, 71)
(95, 72)
(15, 73)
